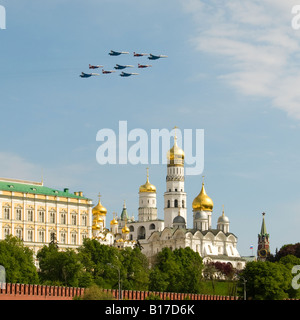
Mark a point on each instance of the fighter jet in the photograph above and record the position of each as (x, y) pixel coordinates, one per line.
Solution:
(87, 75)
(94, 67)
(107, 71)
(140, 54)
(117, 53)
(119, 67)
(125, 74)
(144, 65)
(153, 57)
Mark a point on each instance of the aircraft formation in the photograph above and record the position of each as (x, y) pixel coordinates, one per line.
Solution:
(122, 67)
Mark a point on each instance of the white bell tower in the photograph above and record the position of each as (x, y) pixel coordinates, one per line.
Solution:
(175, 197)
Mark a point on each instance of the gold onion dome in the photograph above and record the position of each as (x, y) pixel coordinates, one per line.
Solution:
(99, 209)
(175, 155)
(147, 187)
(203, 201)
(125, 229)
(113, 221)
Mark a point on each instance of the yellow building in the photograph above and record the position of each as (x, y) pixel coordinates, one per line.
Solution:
(38, 214)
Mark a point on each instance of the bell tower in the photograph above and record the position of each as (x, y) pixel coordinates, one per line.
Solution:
(174, 197)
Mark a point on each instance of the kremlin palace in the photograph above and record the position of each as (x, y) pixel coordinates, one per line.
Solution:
(38, 214)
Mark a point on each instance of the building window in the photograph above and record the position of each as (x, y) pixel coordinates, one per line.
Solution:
(83, 236)
(152, 226)
(182, 203)
(74, 220)
(141, 232)
(30, 215)
(52, 217)
(41, 236)
(84, 221)
(6, 213)
(29, 235)
(63, 218)
(41, 216)
(52, 236)
(73, 238)
(176, 203)
(168, 203)
(19, 233)
(18, 214)
(63, 237)
(6, 232)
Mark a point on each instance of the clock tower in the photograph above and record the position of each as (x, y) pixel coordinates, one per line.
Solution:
(263, 249)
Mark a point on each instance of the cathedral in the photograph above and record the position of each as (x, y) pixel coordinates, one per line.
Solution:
(153, 234)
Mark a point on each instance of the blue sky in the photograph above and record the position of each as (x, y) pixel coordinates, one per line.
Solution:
(232, 70)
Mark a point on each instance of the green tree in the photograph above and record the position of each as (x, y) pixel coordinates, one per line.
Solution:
(59, 267)
(191, 267)
(267, 280)
(288, 249)
(102, 262)
(136, 269)
(177, 271)
(289, 261)
(18, 261)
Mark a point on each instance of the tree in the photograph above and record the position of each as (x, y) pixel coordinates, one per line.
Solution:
(102, 262)
(289, 249)
(136, 269)
(177, 271)
(267, 280)
(17, 261)
(59, 267)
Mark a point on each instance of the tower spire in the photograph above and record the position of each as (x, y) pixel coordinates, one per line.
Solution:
(263, 249)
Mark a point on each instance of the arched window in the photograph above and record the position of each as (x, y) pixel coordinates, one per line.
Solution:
(176, 203)
(141, 232)
(131, 228)
(152, 226)
(182, 204)
(168, 203)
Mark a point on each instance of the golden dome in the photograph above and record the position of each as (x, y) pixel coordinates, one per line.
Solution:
(99, 209)
(125, 229)
(203, 201)
(175, 155)
(147, 187)
(96, 226)
(113, 221)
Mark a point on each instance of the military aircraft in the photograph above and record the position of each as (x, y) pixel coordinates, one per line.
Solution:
(119, 67)
(87, 75)
(125, 74)
(94, 67)
(144, 65)
(117, 53)
(153, 57)
(140, 54)
(107, 71)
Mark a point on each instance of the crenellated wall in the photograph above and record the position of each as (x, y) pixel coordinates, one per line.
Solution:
(16, 291)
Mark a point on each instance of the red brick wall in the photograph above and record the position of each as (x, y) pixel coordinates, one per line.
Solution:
(16, 291)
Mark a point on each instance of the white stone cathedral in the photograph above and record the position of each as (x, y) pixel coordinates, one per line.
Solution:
(153, 234)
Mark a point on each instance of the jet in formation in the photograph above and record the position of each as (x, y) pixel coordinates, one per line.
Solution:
(107, 71)
(119, 67)
(126, 74)
(87, 75)
(153, 57)
(140, 54)
(144, 65)
(94, 67)
(117, 53)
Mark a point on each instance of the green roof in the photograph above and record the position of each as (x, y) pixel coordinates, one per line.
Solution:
(37, 188)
